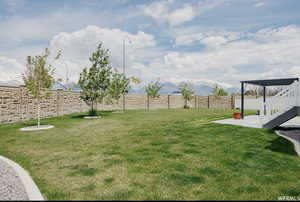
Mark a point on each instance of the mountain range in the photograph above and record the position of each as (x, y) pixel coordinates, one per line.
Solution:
(168, 88)
(173, 88)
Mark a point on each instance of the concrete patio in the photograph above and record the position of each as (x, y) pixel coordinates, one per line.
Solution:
(253, 122)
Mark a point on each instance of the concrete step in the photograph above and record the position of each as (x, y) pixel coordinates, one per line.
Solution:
(282, 118)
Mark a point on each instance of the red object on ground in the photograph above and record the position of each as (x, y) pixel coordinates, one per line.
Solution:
(237, 115)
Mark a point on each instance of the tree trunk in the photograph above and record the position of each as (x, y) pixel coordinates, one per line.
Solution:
(124, 102)
(39, 108)
(92, 106)
(148, 102)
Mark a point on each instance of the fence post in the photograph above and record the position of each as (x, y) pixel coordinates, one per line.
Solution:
(148, 102)
(57, 101)
(232, 101)
(208, 102)
(80, 104)
(21, 103)
(195, 101)
(168, 101)
(124, 102)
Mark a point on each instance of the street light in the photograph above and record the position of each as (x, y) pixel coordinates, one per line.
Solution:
(67, 71)
(124, 40)
(124, 66)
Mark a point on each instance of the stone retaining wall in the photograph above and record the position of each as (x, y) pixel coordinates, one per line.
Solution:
(16, 105)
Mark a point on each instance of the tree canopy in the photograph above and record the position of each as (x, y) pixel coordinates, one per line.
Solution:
(119, 85)
(39, 76)
(219, 91)
(95, 80)
(153, 88)
(186, 92)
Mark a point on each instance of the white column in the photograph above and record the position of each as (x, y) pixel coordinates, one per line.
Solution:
(298, 93)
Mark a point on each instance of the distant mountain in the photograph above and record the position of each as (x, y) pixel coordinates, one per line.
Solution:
(10, 83)
(172, 88)
(232, 90)
(168, 88)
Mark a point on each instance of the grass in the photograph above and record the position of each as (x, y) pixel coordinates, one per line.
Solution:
(166, 154)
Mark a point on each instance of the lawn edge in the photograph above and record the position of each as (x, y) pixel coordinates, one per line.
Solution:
(296, 143)
(31, 188)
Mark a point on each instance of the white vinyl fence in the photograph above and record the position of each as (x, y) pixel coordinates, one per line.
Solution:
(249, 103)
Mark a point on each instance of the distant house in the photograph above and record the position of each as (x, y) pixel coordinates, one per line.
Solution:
(68, 86)
(176, 92)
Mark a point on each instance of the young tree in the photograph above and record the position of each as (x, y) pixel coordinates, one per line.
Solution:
(186, 92)
(254, 91)
(38, 77)
(152, 89)
(95, 80)
(119, 86)
(218, 91)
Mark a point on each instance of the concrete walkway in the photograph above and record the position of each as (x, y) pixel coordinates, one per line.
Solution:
(15, 182)
(253, 122)
(290, 130)
(11, 187)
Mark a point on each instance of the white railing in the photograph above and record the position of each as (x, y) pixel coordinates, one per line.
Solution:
(280, 103)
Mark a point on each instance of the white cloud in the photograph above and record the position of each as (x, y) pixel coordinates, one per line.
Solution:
(158, 10)
(163, 12)
(13, 5)
(207, 5)
(41, 27)
(210, 39)
(181, 15)
(259, 4)
(295, 71)
(189, 39)
(214, 41)
(227, 58)
(268, 53)
(19, 29)
(11, 69)
(286, 33)
(77, 46)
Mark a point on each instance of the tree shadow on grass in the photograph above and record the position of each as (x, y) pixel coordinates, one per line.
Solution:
(282, 145)
(78, 116)
(99, 113)
(28, 123)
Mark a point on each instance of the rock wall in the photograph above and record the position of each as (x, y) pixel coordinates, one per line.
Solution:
(17, 105)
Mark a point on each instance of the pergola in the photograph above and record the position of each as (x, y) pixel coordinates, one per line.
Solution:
(264, 84)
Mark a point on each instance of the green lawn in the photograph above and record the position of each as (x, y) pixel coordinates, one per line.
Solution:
(162, 154)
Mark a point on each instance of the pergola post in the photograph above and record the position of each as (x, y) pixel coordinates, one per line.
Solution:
(264, 84)
(242, 100)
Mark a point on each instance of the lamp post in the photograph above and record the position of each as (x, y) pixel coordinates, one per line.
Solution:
(124, 67)
(67, 71)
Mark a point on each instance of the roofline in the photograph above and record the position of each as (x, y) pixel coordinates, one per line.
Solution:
(271, 82)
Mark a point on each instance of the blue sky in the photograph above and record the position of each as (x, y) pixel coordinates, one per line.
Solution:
(204, 41)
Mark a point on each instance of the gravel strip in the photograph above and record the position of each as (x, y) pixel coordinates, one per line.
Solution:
(11, 188)
(291, 133)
